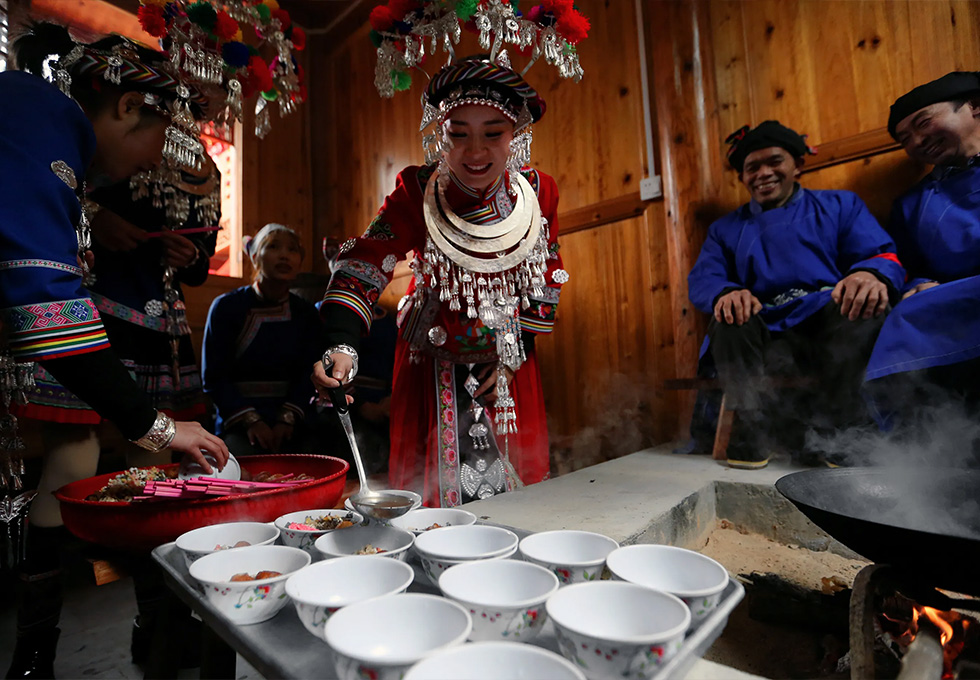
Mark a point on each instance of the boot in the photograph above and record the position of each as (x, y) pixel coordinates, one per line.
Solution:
(142, 640)
(39, 592)
(153, 606)
(34, 654)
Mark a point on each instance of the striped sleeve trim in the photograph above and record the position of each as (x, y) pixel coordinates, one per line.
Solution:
(53, 330)
(351, 301)
(535, 325)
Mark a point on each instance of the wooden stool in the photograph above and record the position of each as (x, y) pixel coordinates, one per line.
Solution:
(726, 416)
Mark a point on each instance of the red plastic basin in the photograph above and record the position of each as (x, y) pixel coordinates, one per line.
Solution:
(143, 525)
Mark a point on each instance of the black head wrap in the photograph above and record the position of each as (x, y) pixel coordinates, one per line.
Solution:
(769, 133)
(952, 86)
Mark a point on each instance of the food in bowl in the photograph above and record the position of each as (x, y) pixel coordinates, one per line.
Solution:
(240, 544)
(258, 576)
(370, 550)
(436, 525)
(325, 523)
(420, 520)
(254, 600)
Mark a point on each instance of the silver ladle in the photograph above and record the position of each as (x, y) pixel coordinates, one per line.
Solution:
(376, 505)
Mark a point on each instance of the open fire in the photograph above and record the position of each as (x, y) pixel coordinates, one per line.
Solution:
(902, 620)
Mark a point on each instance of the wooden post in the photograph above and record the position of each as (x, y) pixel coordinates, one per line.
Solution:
(690, 155)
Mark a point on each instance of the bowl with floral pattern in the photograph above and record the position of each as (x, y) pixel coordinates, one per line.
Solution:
(373, 539)
(494, 661)
(301, 529)
(383, 637)
(197, 543)
(613, 629)
(323, 588)
(248, 585)
(445, 548)
(425, 519)
(573, 556)
(695, 578)
(505, 598)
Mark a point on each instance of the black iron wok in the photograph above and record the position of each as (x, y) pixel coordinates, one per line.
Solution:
(922, 521)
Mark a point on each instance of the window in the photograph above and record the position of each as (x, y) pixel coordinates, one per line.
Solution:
(4, 34)
(220, 144)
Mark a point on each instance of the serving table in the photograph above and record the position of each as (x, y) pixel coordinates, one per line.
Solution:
(282, 648)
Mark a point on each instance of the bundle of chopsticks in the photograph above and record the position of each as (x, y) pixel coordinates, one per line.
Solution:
(208, 487)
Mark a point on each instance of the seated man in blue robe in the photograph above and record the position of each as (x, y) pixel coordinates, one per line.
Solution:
(797, 282)
(933, 338)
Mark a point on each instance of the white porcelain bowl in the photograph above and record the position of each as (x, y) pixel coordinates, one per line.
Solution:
(505, 598)
(494, 661)
(248, 601)
(305, 538)
(612, 629)
(439, 550)
(418, 521)
(322, 588)
(382, 637)
(206, 540)
(394, 542)
(574, 556)
(232, 470)
(695, 578)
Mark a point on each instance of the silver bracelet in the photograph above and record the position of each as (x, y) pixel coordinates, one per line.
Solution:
(340, 349)
(160, 435)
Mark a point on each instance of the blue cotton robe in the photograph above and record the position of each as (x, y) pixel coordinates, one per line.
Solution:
(258, 356)
(936, 227)
(792, 257)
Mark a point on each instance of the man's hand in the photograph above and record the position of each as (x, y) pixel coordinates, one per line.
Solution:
(115, 233)
(737, 307)
(261, 435)
(281, 433)
(920, 287)
(178, 251)
(860, 295)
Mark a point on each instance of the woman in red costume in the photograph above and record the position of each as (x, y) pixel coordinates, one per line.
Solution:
(467, 409)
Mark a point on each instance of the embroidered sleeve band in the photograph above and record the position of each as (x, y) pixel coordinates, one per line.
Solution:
(54, 330)
(357, 284)
(540, 315)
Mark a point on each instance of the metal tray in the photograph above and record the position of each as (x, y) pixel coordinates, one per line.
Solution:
(283, 648)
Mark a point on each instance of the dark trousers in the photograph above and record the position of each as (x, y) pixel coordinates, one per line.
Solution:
(827, 348)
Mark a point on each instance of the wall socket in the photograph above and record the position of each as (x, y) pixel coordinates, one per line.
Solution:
(650, 188)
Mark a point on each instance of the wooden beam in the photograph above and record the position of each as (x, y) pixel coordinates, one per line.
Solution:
(852, 148)
(604, 212)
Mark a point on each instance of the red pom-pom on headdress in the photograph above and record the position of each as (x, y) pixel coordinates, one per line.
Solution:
(225, 27)
(298, 37)
(258, 70)
(573, 27)
(381, 18)
(283, 16)
(400, 8)
(152, 20)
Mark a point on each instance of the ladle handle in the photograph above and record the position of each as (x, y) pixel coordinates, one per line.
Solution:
(338, 396)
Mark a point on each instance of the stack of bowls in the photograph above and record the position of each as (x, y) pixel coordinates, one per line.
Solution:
(394, 542)
(494, 661)
(323, 588)
(505, 598)
(383, 637)
(248, 601)
(305, 538)
(197, 543)
(695, 578)
(573, 556)
(439, 550)
(617, 630)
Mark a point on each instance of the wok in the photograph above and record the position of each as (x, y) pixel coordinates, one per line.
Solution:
(922, 521)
